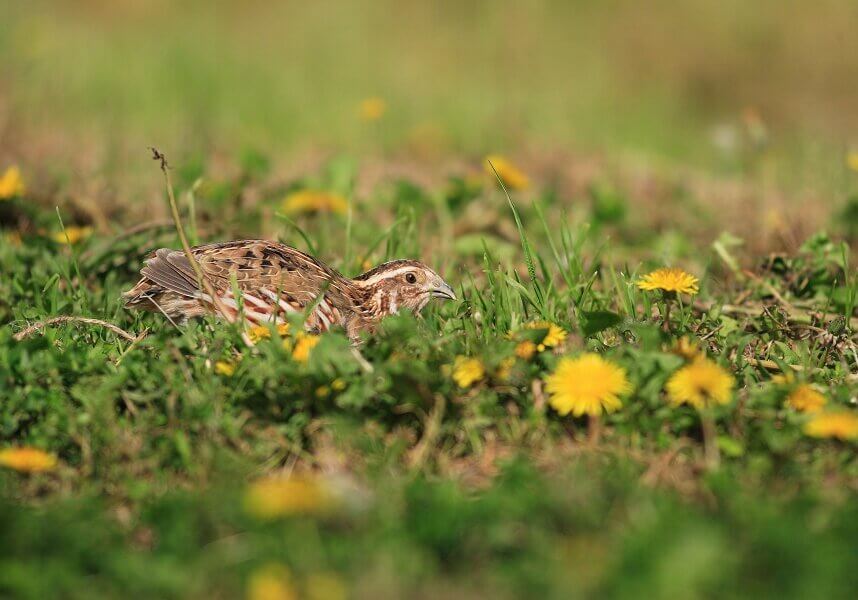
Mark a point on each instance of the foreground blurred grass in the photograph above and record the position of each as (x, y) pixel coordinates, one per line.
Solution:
(587, 531)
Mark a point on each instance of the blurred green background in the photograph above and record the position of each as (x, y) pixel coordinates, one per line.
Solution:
(685, 81)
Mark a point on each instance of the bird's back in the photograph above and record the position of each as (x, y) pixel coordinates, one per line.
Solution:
(270, 278)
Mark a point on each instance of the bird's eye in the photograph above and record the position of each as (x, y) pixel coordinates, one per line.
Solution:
(411, 278)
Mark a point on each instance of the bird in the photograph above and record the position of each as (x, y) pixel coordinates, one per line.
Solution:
(263, 282)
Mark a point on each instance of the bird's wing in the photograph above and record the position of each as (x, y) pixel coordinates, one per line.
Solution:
(262, 269)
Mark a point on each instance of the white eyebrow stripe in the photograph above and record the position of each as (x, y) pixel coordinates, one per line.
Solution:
(385, 275)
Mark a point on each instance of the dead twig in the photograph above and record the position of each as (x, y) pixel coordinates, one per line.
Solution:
(800, 317)
(771, 365)
(772, 289)
(653, 474)
(431, 430)
(202, 281)
(27, 332)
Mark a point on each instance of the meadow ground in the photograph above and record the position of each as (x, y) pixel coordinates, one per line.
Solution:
(550, 433)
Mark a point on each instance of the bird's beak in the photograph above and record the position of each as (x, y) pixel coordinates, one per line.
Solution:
(443, 290)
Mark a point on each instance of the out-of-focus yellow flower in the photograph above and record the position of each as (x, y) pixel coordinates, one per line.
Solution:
(372, 109)
(525, 350)
(841, 425)
(315, 201)
(27, 460)
(774, 221)
(505, 368)
(511, 176)
(852, 160)
(304, 342)
(71, 234)
(13, 238)
(271, 582)
(275, 497)
(322, 391)
(225, 368)
(554, 336)
(783, 379)
(257, 333)
(805, 399)
(468, 371)
(586, 385)
(11, 184)
(701, 383)
(338, 384)
(686, 348)
(670, 280)
(324, 586)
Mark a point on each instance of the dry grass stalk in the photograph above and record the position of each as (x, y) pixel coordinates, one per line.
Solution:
(25, 333)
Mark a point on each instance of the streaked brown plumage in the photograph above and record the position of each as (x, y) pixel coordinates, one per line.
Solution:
(274, 280)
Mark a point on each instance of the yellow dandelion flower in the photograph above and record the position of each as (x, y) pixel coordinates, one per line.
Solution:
(27, 460)
(468, 371)
(525, 350)
(670, 280)
(304, 342)
(505, 368)
(783, 379)
(257, 333)
(71, 234)
(555, 335)
(225, 368)
(587, 385)
(805, 399)
(271, 582)
(372, 109)
(686, 348)
(852, 160)
(700, 384)
(11, 184)
(283, 329)
(325, 586)
(841, 425)
(511, 176)
(275, 497)
(315, 201)
(338, 385)
(322, 391)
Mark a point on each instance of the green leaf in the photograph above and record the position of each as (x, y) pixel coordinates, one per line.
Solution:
(730, 447)
(598, 320)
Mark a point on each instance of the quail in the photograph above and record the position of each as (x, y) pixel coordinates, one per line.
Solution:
(261, 281)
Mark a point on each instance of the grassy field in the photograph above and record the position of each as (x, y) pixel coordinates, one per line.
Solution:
(716, 458)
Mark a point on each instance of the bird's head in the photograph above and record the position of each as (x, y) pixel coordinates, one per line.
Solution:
(402, 284)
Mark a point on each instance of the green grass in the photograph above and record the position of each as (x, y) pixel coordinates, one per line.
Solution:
(448, 488)
(707, 137)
